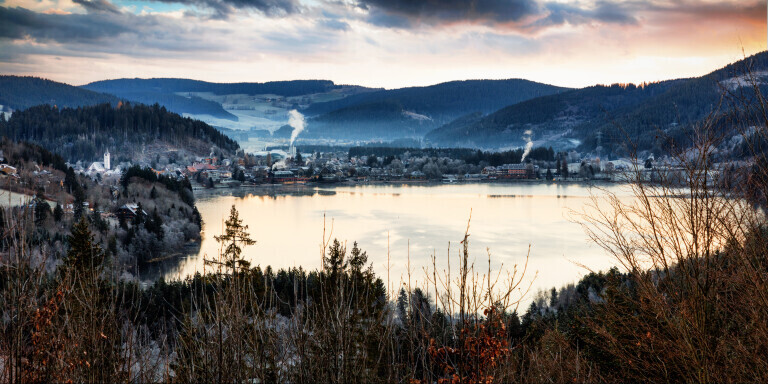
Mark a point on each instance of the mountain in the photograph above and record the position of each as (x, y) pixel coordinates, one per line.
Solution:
(183, 95)
(135, 132)
(613, 114)
(21, 92)
(169, 85)
(414, 111)
(543, 116)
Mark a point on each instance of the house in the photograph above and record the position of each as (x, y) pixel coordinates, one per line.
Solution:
(128, 212)
(517, 171)
(7, 169)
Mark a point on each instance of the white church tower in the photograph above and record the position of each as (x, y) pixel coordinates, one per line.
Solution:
(106, 160)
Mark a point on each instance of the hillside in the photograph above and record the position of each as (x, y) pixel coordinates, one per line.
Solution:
(453, 98)
(127, 131)
(385, 120)
(548, 115)
(179, 104)
(409, 112)
(183, 96)
(618, 112)
(21, 92)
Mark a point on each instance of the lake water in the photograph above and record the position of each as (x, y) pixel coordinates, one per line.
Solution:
(417, 220)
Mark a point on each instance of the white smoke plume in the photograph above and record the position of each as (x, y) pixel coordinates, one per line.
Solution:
(528, 145)
(295, 120)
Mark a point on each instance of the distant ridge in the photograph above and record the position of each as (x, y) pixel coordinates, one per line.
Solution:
(618, 112)
(172, 85)
(411, 112)
(21, 92)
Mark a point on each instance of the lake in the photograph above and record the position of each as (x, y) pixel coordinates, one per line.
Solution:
(413, 221)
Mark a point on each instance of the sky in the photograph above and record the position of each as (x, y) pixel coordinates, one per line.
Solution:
(378, 43)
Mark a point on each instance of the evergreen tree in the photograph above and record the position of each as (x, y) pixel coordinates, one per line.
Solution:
(235, 236)
(58, 213)
(565, 172)
(402, 305)
(140, 216)
(42, 209)
(84, 254)
(79, 195)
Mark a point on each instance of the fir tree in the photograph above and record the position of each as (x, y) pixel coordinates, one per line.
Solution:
(58, 213)
(235, 236)
(84, 253)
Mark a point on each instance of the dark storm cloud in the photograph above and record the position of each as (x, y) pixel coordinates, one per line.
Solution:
(535, 15)
(99, 32)
(224, 8)
(97, 5)
(19, 23)
(403, 13)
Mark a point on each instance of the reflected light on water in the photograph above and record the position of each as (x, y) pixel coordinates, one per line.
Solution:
(288, 224)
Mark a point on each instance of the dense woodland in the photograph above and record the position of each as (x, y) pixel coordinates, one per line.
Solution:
(85, 133)
(20, 92)
(179, 104)
(447, 101)
(412, 112)
(645, 115)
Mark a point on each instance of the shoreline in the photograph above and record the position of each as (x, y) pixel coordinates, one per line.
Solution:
(425, 183)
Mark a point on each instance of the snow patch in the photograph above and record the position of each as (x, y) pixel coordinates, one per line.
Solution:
(416, 116)
(747, 80)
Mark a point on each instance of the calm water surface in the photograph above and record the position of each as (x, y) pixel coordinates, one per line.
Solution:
(288, 223)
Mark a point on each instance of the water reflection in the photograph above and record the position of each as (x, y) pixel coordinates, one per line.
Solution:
(405, 221)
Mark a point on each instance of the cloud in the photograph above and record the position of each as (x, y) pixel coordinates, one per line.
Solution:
(530, 16)
(20, 23)
(97, 5)
(100, 32)
(224, 8)
(335, 24)
(602, 12)
(409, 13)
(377, 42)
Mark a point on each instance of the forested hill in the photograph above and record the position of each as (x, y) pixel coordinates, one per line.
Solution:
(126, 130)
(685, 103)
(455, 98)
(175, 94)
(619, 112)
(412, 112)
(543, 116)
(166, 85)
(21, 92)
